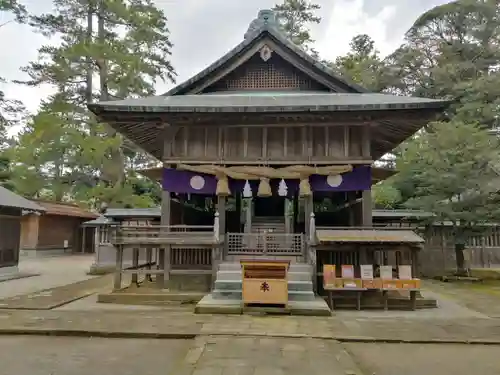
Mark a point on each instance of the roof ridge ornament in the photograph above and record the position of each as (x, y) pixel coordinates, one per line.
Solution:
(266, 17)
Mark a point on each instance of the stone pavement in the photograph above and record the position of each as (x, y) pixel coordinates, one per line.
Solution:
(50, 298)
(223, 355)
(230, 355)
(53, 272)
(348, 343)
(412, 359)
(169, 324)
(25, 355)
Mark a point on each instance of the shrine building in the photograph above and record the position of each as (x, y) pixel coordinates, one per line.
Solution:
(280, 151)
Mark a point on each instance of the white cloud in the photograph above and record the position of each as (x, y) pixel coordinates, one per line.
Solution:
(348, 20)
(198, 41)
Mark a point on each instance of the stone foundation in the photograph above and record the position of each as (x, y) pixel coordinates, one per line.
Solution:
(190, 283)
(105, 259)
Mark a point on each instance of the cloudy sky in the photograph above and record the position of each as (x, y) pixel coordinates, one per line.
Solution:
(203, 30)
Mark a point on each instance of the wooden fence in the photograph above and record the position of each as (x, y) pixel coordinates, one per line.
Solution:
(438, 255)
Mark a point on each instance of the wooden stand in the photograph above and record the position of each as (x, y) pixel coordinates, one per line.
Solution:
(265, 282)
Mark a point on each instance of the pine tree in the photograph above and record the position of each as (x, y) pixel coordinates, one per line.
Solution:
(124, 46)
(295, 17)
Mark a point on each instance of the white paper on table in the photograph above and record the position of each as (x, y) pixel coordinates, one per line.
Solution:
(386, 272)
(404, 272)
(366, 271)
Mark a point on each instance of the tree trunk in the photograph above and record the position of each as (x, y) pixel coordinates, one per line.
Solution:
(90, 69)
(115, 173)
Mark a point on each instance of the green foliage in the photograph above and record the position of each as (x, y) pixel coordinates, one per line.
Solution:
(363, 65)
(109, 50)
(295, 17)
(449, 46)
(386, 196)
(14, 7)
(455, 169)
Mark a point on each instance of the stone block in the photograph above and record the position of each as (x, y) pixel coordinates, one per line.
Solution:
(190, 283)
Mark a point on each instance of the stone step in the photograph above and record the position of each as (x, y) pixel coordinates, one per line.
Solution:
(294, 267)
(268, 219)
(268, 230)
(301, 286)
(209, 305)
(236, 275)
(236, 294)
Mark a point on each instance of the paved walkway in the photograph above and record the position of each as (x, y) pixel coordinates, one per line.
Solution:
(348, 343)
(229, 355)
(84, 356)
(166, 324)
(54, 271)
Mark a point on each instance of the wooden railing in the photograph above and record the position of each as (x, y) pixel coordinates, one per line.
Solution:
(264, 244)
(191, 258)
(164, 235)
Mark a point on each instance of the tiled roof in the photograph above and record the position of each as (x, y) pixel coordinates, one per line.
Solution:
(269, 102)
(368, 236)
(10, 199)
(133, 212)
(101, 220)
(417, 214)
(66, 209)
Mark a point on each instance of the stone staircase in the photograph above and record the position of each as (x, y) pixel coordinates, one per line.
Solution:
(228, 284)
(226, 296)
(268, 224)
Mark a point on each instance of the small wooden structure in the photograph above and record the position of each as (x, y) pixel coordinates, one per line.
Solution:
(335, 286)
(12, 208)
(265, 282)
(58, 230)
(181, 250)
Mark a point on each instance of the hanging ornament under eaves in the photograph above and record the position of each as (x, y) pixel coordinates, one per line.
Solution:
(247, 190)
(282, 189)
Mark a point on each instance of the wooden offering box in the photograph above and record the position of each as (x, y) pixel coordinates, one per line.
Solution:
(265, 282)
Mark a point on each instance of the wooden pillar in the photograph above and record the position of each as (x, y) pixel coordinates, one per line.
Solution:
(149, 261)
(97, 230)
(248, 215)
(295, 211)
(367, 208)
(308, 209)
(414, 262)
(288, 216)
(221, 209)
(135, 264)
(164, 252)
(238, 209)
(366, 142)
(118, 268)
(83, 239)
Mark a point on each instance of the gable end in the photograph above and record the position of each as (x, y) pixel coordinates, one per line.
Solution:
(268, 71)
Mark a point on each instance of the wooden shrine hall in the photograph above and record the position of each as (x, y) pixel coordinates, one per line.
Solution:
(264, 138)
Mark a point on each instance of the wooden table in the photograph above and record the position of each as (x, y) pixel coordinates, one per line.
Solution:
(413, 297)
(358, 291)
